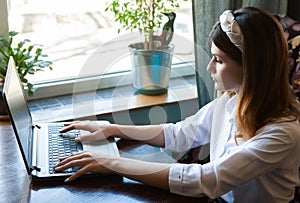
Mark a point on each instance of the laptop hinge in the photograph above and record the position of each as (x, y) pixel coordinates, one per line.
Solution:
(36, 126)
(32, 168)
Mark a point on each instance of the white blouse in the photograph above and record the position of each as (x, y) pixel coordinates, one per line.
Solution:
(262, 169)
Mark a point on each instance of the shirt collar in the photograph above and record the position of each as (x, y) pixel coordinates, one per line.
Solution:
(231, 106)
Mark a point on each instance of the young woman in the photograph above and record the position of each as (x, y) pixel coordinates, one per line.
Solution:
(253, 128)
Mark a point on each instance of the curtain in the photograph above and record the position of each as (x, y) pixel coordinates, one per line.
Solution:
(205, 15)
(273, 6)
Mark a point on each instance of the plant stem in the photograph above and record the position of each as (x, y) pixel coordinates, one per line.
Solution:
(152, 11)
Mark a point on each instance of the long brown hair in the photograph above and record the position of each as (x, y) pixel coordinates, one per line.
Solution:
(265, 94)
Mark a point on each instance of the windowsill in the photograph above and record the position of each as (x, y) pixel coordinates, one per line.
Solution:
(63, 87)
(109, 101)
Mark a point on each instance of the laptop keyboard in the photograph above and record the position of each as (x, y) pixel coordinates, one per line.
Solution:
(61, 145)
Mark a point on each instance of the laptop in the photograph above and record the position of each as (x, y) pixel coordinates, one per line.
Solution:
(41, 144)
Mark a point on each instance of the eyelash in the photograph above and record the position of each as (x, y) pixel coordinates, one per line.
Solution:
(216, 60)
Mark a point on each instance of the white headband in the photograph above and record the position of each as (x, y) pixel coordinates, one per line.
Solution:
(232, 29)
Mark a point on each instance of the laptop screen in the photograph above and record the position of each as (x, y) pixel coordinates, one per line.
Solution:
(16, 103)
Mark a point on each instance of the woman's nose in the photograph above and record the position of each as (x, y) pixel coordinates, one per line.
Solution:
(210, 67)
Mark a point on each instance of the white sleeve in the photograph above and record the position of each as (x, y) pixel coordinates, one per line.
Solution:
(192, 132)
(264, 152)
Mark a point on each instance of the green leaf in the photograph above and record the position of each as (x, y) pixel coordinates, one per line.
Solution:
(38, 51)
(21, 44)
(44, 64)
(12, 33)
(4, 53)
(27, 62)
(30, 48)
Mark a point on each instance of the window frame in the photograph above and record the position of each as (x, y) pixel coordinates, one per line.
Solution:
(4, 15)
(65, 87)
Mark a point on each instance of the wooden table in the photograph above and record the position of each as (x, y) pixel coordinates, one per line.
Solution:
(16, 185)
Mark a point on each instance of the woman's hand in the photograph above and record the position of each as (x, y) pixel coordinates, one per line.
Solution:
(86, 162)
(100, 130)
(90, 126)
(150, 173)
(90, 130)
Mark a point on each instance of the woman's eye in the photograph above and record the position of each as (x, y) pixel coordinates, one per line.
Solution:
(217, 60)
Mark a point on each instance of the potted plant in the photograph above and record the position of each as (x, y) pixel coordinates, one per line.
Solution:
(29, 58)
(152, 58)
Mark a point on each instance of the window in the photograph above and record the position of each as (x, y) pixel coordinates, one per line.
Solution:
(82, 41)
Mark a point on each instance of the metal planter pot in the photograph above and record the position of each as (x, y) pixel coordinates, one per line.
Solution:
(151, 69)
